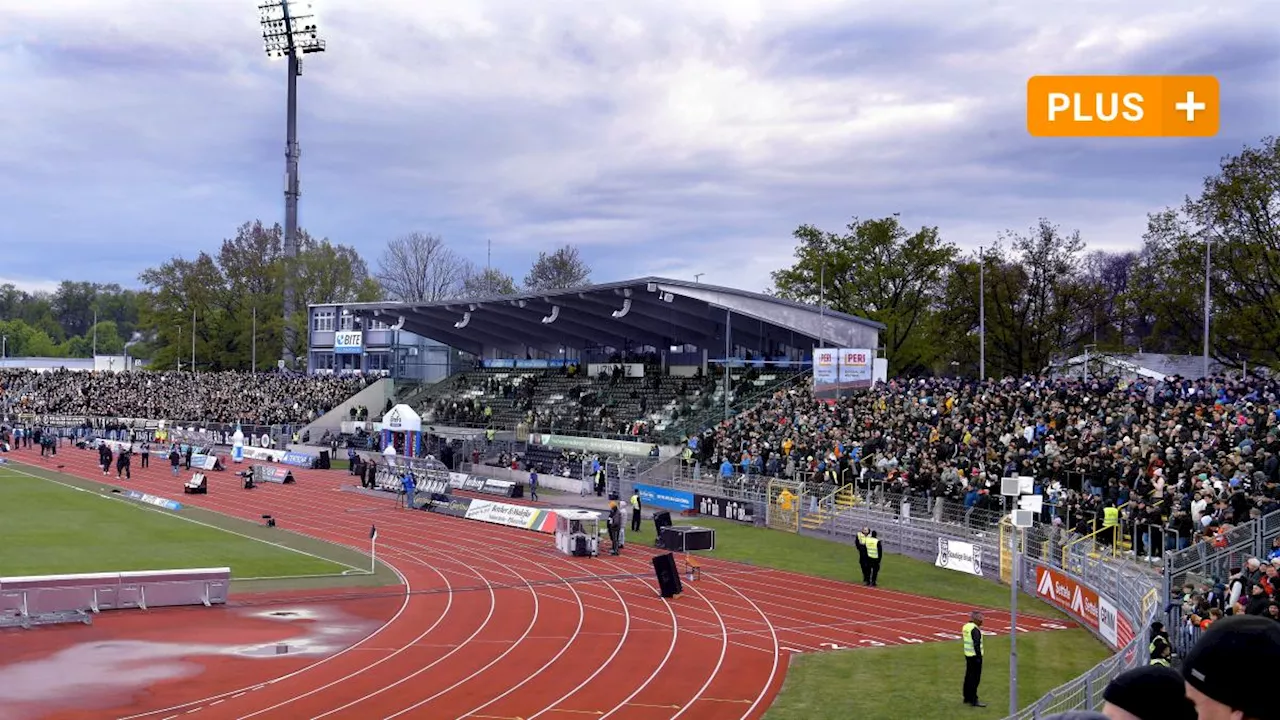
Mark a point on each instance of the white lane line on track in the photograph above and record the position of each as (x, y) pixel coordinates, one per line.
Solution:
(675, 634)
(764, 690)
(724, 648)
(536, 606)
(626, 630)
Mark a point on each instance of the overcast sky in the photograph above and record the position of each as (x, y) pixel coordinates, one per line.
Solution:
(667, 138)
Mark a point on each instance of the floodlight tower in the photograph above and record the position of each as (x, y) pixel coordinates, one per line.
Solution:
(289, 31)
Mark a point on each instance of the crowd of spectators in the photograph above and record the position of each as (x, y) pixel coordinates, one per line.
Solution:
(1185, 459)
(253, 398)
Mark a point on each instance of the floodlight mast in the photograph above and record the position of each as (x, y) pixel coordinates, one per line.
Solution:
(289, 29)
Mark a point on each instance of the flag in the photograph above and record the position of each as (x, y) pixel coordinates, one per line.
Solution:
(373, 532)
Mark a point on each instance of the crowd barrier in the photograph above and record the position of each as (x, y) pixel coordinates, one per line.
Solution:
(34, 596)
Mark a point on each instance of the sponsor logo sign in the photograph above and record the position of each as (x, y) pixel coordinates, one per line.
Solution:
(153, 500)
(204, 462)
(446, 504)
(517, 516)
(665, 498)
(1097, 612)
(959, 556)
(348, 342)
(257, 453)
(739, 510)
(394, 420)
(1108, 621)
(266, 473)
(298, 459)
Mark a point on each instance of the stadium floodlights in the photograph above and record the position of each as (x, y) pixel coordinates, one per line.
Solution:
(289, 26)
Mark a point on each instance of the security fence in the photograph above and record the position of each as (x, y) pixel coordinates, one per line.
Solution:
(913, 525)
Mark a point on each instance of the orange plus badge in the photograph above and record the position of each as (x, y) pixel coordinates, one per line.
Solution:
(1122, 106)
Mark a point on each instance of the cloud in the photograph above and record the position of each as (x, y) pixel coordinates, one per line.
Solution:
(665, 137)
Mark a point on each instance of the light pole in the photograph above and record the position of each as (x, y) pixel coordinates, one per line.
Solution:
(697, 277)
(982, 314)
(1086, 360)
(1208, 259)
(288, 31)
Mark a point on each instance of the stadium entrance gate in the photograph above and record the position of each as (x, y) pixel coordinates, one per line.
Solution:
(784, 506)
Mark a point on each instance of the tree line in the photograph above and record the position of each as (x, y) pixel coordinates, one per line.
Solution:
(231, 303)
(1046, 295)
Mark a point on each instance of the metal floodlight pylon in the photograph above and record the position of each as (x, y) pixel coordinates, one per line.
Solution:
(289, 30)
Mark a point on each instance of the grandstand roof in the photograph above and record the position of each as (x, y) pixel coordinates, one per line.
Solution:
(653, 311)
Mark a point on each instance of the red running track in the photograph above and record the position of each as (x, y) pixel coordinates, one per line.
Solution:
(492, 623)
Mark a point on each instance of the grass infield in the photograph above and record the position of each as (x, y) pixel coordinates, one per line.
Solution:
(57, 524)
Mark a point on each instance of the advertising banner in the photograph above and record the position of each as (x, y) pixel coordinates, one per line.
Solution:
(1096, 612)
(959, 556)
(204, 462)
(298, 459)
(665, 498)
(826, 373)
(525, 364)
(348, 343)
(717, 507)
(152, 500)
(267, 473)
(257, 453)
(855, 368)
(446, 504)
(517, 516)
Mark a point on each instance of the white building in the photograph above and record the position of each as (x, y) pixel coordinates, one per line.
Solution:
(340, 342)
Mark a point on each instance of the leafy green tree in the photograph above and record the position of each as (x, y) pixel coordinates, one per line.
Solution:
(23, 340)
(879, 270)
(1235, 214)
(560, 270)
(489, 282)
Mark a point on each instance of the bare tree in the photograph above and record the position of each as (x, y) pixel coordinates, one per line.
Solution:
(419, 267)
(559, 270)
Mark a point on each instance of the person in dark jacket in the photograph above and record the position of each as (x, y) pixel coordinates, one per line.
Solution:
(104, 458)
(122, 464)
(614, 524)
(175, 460)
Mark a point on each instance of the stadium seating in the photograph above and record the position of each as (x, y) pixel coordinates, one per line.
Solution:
(558, 401)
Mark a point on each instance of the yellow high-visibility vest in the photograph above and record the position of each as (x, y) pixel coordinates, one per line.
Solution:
(873, 547)
(635, 502)
(970, 650)
(1110, 516)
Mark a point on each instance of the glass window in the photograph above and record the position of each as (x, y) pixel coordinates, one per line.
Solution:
(322, 321)
(347, 322)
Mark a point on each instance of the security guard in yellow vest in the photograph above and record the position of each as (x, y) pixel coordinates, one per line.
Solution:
(1159, 650)
(1110, 523)
(873, 558)
(864, 562)
(971, 634)
(635, 511)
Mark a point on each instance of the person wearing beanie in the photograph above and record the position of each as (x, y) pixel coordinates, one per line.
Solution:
(1147, 693)
(1225, 669)
(1160, 650)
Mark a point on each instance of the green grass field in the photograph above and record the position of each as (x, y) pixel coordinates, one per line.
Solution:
(921, 682)
(56, 524)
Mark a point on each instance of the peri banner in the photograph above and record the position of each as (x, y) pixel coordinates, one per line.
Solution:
(1084, 603)
(826, 373)
(959, 556)
(665, 498)
(718, 507)
(855, 368)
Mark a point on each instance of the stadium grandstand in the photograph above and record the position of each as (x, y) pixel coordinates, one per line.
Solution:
(640, 360)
